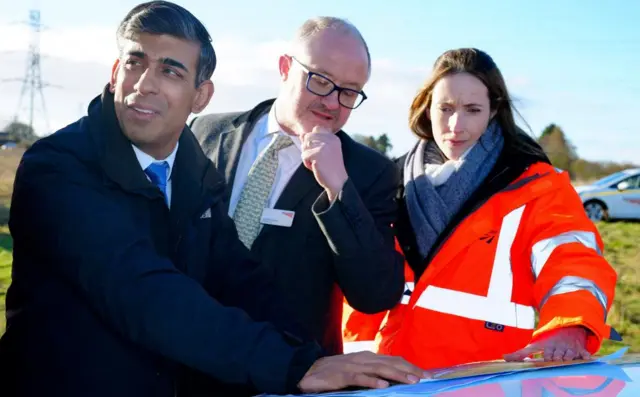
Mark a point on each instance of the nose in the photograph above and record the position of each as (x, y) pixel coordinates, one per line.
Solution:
(147, 83)
(456, 123)
(331, 101)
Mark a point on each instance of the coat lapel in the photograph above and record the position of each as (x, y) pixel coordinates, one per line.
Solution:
(229, 150)
(231, 141)
(186, 179)
(301, 183)
(117, 157)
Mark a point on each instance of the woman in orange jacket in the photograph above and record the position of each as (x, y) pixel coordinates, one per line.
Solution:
(492, 233)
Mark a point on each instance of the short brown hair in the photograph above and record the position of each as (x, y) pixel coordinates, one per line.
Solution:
(480, 65)
(313, 26)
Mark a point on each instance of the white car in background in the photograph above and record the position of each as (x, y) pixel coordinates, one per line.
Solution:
(616, 196)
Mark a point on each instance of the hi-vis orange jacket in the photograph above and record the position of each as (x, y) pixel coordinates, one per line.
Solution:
(362, 331)
(528, 248)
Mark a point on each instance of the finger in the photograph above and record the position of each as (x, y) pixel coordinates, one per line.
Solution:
(363, 356)
(308, 164)
(312, 153)
(522, 353)
(548, 353)
(391, 373)
(366, 380)
(408, 368)
(558, 353)
(320, 382)
(320, 130)
(309, 157)
(396, 362)
(582, 352)
(305, 139)
(570, 354)
(313, 144)
(310, 136)
(396, 369)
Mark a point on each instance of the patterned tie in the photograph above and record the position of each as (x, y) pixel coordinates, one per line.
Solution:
(157, 172)
(255, 193)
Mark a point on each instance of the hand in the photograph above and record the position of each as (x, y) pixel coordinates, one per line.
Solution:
(362, 369)
(564, 344)
(322, 154)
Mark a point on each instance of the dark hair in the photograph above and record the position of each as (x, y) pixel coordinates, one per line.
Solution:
(479, 64)
(163, 17)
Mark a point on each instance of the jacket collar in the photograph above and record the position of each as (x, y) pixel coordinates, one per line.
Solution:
(232, 141)
(193, 174)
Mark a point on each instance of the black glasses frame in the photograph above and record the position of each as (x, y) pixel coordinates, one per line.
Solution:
(336, 87)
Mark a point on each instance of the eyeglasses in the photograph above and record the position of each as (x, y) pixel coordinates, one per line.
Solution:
(323, 86)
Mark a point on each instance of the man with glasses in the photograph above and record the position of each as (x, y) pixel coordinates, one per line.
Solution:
(309, 201)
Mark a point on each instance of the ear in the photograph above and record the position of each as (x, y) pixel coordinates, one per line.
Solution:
(204, 93)
(114, 76)
(284, 65)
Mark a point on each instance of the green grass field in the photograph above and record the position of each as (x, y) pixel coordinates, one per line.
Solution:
(5, 269)
(622, 250)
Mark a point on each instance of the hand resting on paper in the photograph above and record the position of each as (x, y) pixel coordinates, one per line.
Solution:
(362, 369)
(563, 344)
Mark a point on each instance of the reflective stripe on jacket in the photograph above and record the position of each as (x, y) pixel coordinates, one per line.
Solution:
(529, 248)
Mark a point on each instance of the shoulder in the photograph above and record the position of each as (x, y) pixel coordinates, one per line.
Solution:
(364, 161)
(71, 144)
(541, 186)
(542, 171)
(207, 126)
(69, 152)
(213, 123)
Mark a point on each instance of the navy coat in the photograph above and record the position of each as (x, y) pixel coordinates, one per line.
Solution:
(113, 294)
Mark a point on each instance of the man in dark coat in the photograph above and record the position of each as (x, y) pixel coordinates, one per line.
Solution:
(328, 202)
(128, 275)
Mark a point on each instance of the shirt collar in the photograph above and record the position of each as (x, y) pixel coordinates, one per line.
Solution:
(145, 160)
(273, 127)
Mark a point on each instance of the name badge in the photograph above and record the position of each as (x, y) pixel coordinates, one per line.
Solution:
(272, 216)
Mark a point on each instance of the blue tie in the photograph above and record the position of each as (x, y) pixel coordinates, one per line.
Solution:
(157, 172)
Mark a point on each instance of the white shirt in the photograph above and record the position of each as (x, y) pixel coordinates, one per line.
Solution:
(145, 160)
(289, 159)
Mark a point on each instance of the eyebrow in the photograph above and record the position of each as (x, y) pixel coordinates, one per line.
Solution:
(165, 61)
(351, 85)
(449, 102)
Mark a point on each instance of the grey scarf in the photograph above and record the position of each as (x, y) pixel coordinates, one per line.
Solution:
(432, 203)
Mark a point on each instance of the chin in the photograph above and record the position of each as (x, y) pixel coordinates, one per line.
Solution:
(455, 156)
(139, 136)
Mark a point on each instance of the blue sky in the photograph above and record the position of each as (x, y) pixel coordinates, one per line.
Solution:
(570, 62)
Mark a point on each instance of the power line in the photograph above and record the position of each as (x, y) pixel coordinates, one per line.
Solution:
(32, 84)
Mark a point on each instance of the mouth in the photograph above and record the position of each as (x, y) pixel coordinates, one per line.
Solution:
(322, 115)
(455, 142)
(142, 112)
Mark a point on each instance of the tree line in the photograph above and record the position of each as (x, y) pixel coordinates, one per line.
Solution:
(553, 140)
(563, 154)
(20, 133)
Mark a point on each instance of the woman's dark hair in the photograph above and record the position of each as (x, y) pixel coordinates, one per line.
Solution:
(479, 64)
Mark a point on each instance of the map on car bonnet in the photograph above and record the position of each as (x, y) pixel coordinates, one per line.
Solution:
(469, 375)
